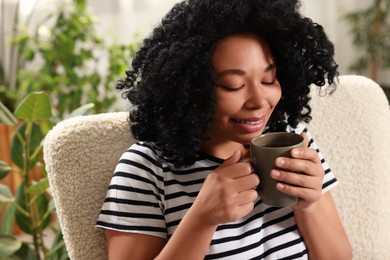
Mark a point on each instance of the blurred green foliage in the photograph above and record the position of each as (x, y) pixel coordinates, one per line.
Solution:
(67, 58)
(31, 207)
(370, 29)
(64, 68)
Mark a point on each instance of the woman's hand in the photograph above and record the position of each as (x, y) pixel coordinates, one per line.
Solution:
(228, 192)
(307, 185)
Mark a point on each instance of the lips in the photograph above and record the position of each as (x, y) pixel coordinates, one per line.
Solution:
(254, 121)
(249, 125)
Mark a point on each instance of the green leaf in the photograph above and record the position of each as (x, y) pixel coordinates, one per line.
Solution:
(22, 220)
(42, 204)
(51, 206)
(83, 110)
(36, 106)
(7, 222)
(25, 253)
(50, 209)
(58, 248)
(39, 187)
(8, 245)
(5, 194)
(43, 207)
(5, 168)
(6, 117)
(17, 148)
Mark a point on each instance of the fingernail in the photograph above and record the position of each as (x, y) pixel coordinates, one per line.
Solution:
(279, 162)
(279, 186)
(295, 152)
(275, 173)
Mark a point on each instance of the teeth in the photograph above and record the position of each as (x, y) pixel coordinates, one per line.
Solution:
(245, 122)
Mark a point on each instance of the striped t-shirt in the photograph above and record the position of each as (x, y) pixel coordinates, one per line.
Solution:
(149, 195)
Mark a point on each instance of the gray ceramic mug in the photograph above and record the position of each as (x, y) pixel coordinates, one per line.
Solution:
(264, 150)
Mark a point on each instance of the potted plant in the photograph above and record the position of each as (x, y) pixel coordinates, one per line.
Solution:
(62, 56)
(370, 29)
(67, 58)
(61, 84)
(31, 206)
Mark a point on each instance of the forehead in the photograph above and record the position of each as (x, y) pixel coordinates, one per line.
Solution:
(241, 50)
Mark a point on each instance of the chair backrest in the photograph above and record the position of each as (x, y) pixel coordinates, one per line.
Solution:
(352, 128)
(80, 155)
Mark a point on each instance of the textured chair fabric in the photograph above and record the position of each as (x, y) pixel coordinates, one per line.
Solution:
(80, 155)
(351, 127)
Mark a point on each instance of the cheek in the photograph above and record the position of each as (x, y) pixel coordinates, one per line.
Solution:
(228, 105)
(275, 96)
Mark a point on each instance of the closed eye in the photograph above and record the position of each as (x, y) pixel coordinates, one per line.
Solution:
(226, 88)
(268, 83)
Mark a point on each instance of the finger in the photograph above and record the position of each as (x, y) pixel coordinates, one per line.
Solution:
(247, 182)
(305, 153)
(306, 137)
(230, 168)
(245, 168)
(234, 171)
(307, 194)
(298, 165)
(246, 197)
(245, 209)
(234, 158)
(295, 179)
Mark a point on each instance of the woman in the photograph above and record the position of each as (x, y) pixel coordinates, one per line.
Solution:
(212, 76)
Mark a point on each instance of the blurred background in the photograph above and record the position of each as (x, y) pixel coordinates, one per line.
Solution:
(62, 58)
(127, 17)
(359, 29)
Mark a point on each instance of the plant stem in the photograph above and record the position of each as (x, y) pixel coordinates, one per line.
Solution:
(376, 30)
(30, 204)
(38, 231)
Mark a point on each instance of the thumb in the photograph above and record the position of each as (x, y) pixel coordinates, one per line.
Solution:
(234, 158)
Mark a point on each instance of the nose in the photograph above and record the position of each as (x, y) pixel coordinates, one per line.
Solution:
(255, 97)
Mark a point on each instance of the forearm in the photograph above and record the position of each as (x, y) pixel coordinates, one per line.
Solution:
(190, 240)
(323, 235)
(228, 194)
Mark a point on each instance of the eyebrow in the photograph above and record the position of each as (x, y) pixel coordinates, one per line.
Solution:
(270, 67)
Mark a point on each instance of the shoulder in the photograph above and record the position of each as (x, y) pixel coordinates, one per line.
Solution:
(140, 161)
(143, 152)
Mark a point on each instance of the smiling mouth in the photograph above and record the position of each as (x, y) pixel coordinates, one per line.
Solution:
(247, 122)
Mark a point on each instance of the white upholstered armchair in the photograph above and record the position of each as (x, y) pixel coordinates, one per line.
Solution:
(351, 127)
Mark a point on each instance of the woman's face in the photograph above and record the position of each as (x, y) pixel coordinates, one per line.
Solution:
(247, 92)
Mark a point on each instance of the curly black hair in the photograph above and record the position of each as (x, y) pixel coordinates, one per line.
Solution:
(171, 85)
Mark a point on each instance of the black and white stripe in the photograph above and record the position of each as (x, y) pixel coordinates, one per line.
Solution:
(150, 195)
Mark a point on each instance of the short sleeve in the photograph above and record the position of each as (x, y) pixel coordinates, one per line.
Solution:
(330, 179)
(134, 201)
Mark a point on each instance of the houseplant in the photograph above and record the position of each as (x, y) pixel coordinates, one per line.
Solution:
(60, 82)
(30, 60)
(31, 207)
(85, 69)
(370, 29)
